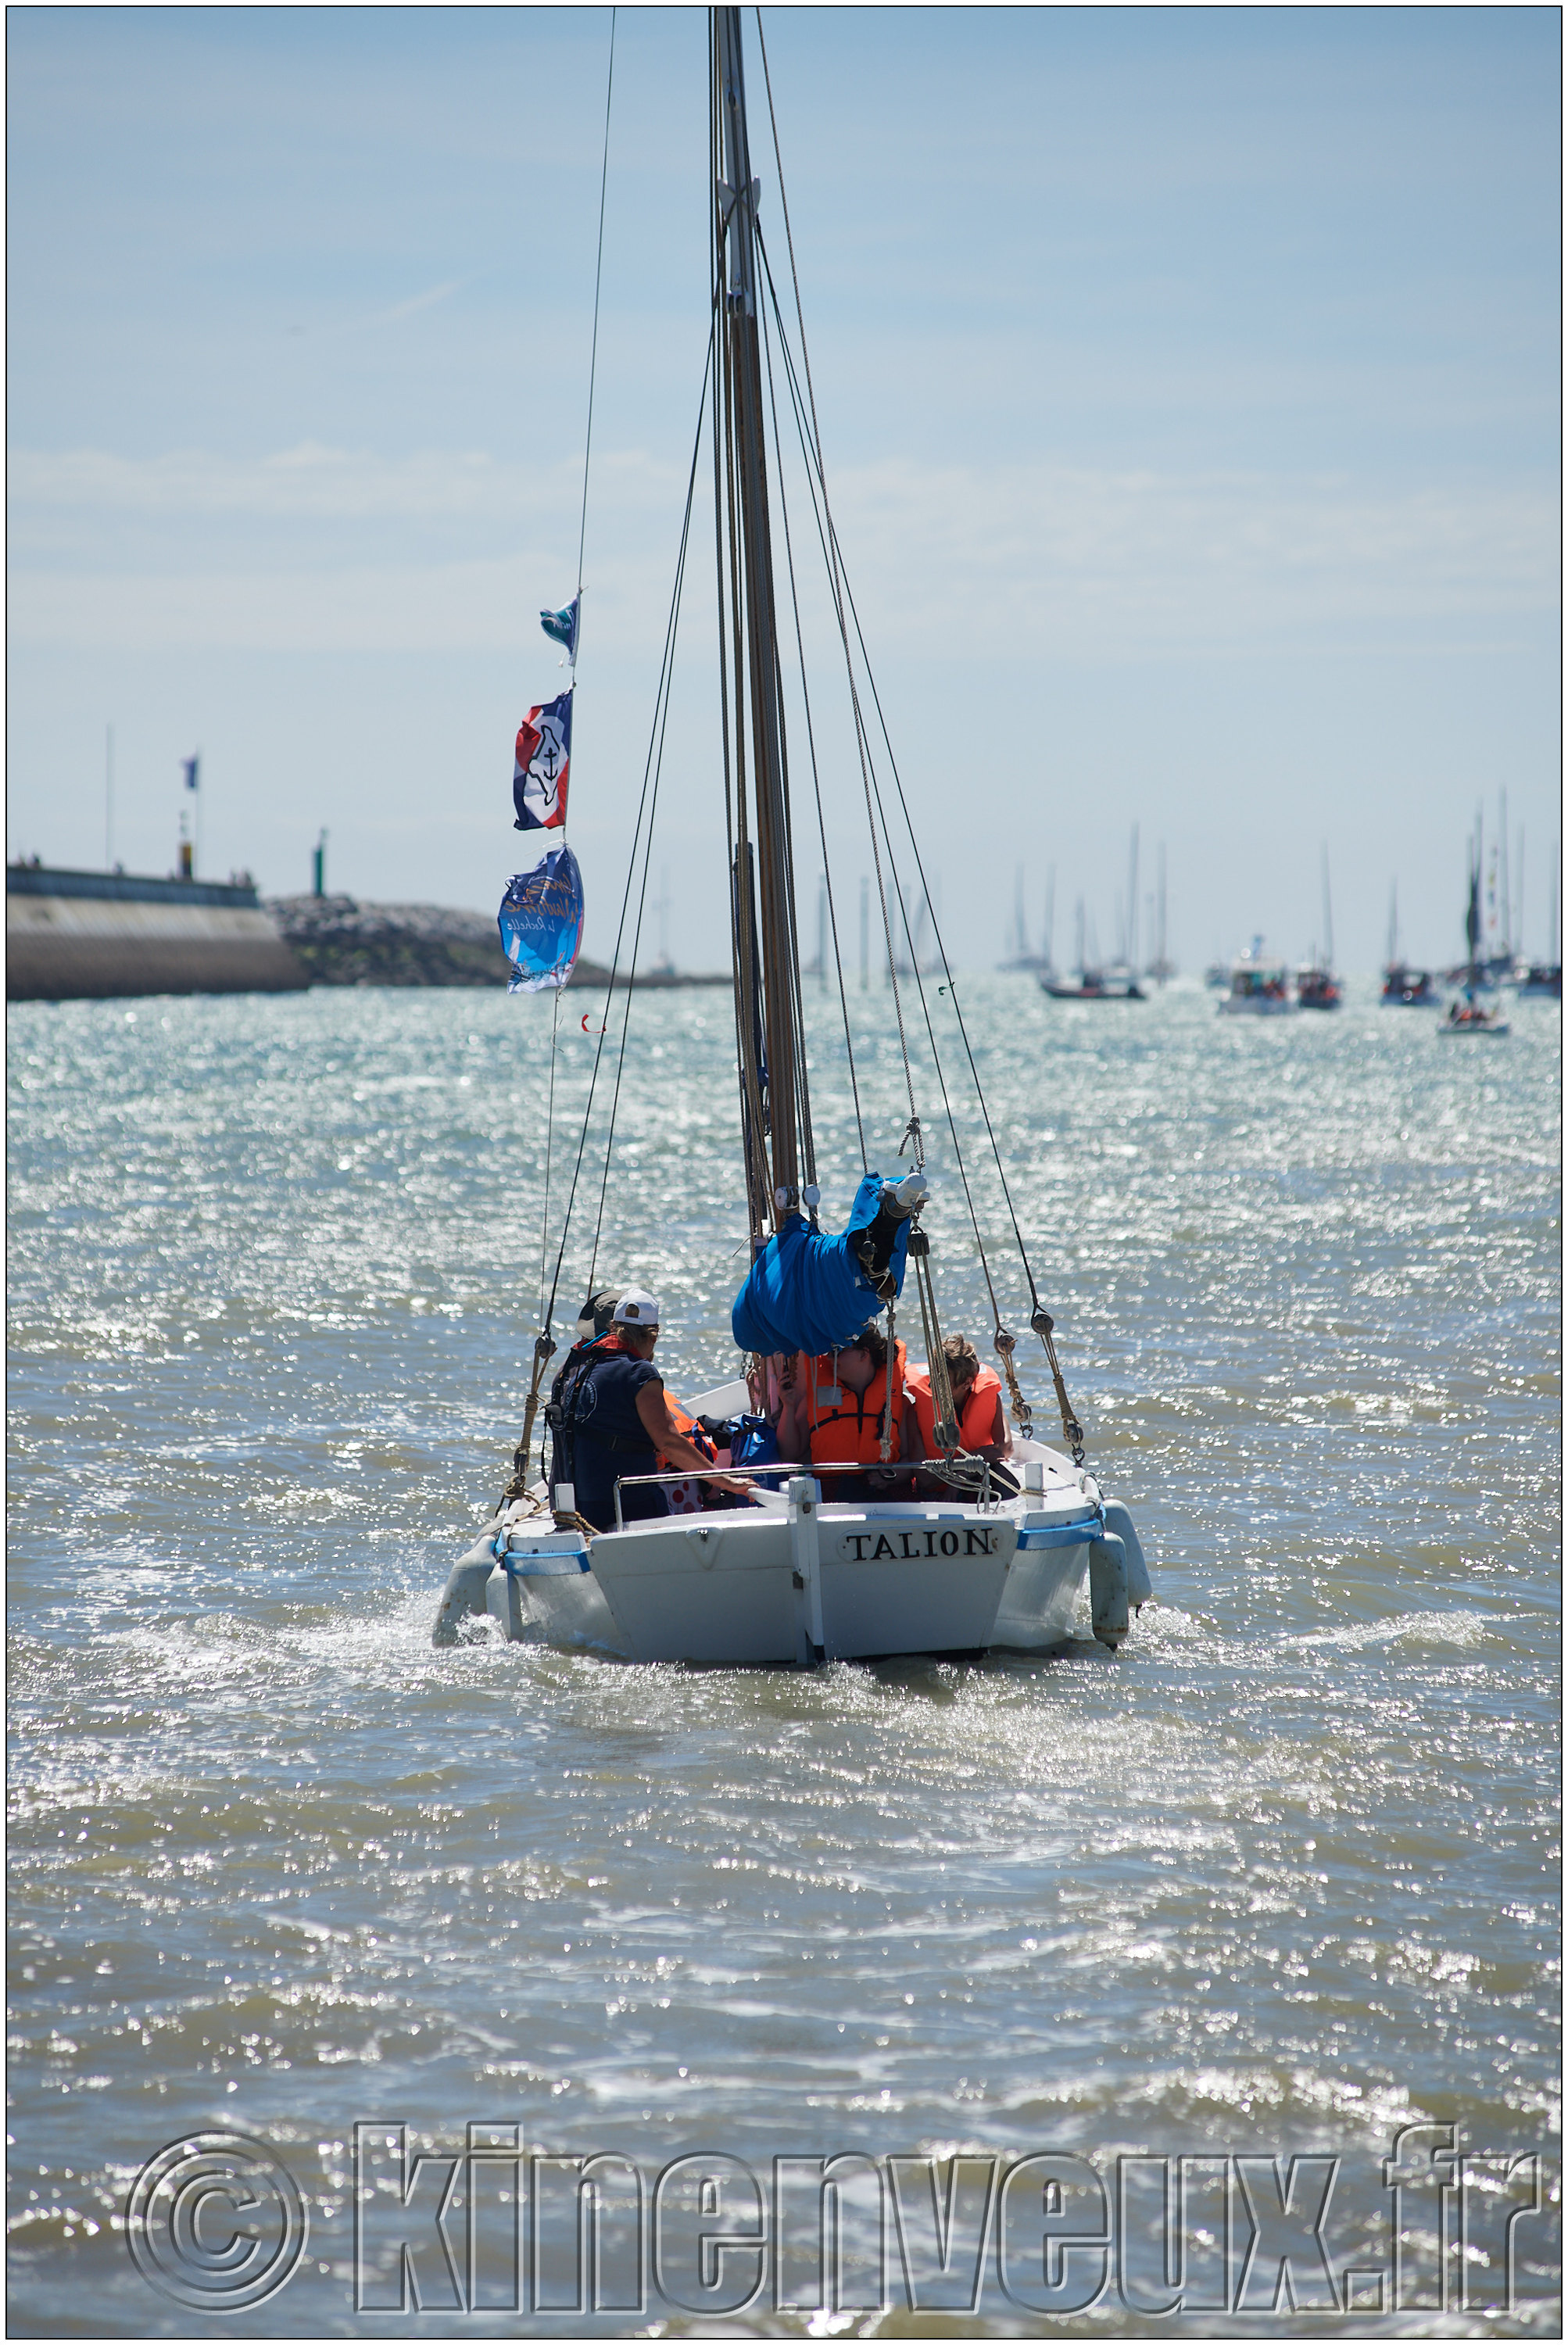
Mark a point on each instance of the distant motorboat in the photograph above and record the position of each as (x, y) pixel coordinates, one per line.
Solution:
(1094, 985)
(1467, 1016)
(1318, 988)
(1259, 987)
(1408, 988)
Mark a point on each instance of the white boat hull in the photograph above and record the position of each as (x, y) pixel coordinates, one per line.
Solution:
(784, 1583)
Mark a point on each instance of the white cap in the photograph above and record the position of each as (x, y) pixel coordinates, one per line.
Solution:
(637, 1309)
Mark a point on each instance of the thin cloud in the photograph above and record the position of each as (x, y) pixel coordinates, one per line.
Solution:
(320, 482)
(406, 309)
(1066, 561)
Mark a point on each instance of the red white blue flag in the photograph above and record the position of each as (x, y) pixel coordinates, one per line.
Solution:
(539, 769)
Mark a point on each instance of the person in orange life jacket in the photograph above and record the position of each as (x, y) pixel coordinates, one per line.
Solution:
(624, 1404)
(977, 1403)
(834, 1410)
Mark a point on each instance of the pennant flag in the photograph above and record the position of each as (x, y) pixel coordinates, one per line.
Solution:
(540, 922)
(561, 626)
(539, 769)
(191, 768)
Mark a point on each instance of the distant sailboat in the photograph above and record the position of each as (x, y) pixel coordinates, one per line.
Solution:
(1468, 1015)
(1316, 987)
(1093, 983)
(1542, 980)
(1020, 956)
(1404, 988)
(1162, 965)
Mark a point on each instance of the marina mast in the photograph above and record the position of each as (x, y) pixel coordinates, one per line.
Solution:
(775, 1106)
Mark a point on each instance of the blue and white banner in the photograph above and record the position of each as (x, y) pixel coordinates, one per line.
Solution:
(539, 765)
(540, 922)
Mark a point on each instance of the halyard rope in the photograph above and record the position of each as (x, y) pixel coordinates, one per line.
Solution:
(1040, 1318)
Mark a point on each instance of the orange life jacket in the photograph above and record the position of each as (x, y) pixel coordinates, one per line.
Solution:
(688, 1497)
(850, 1430)
(977, 1418)
(692, 1431)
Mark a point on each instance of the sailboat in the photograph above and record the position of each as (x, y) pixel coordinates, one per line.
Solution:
(1404, 988)
(800, 1571)
(1021, 956)
(1090, 981)
(1543, 979)
(1162, 965)
(1467, 1014)
(1316, 987)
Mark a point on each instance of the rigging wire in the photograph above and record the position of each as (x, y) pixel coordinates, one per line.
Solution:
(662, 719)
(544, 1346)
(1040, 1318)
(1003, 1340)
(549, 1139)
(649, 777)
(825, 530)
(598, 278)
(914, 1131)
(942, 948)
(582, 543)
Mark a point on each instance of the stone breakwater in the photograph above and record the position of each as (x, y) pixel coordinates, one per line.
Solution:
(343, 942)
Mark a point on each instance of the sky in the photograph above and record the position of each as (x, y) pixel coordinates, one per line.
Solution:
(1188, 382)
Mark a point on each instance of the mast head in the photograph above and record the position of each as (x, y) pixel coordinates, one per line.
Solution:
(737, 192)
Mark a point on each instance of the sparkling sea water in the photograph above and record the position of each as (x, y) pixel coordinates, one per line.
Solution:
(1277, 1881)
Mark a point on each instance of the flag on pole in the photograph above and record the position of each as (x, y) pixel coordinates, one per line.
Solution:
(539, 769)
(191, 768)
(561, 626)
(541, 923)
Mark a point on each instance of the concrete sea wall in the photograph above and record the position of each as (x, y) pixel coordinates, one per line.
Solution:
(71, 935)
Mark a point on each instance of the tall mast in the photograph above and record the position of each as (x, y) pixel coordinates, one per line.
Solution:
(1133, 902)
(779, 1155)
(1161, 970)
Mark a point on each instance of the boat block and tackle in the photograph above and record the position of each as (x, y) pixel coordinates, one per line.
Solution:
(1108, 1589)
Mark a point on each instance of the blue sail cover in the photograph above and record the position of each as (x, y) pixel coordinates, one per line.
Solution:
(540, 922)
(807, 1294)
